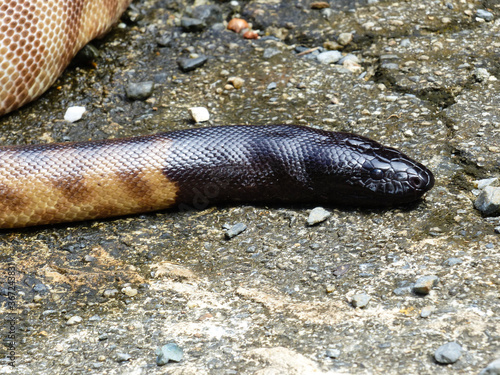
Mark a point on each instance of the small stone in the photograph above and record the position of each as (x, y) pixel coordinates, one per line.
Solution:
(481, 74)
(164, 40)
(187, 65)
(199, 114)
(497, 230)
(237, 25)
(349, 57)
(329, 57)
(317, 215)
(341, 270)
(452, 261)
(251, 34)
(109, 293)
(391, 98)
(332, 353)
(74, 114)
(352, 66)
(402, 291)
(40, 288)
(237, 82)
(488, 201)
(484, 14)
(192, 24)
(89, 258)
(481, 184)
(139, 90)
(426, 311)
(169, 352)
(320, 5)
(330, 288)
(74, 320)
(448, 353)
(209, 13)
(235, 230)
(123, 357)
(424, 284)
(251, 250)
(492, 369)
(272, 86)
(270, 52)
(405, 43)
(332, 45)
(360, 300)
(389, 66)
(344, 38)
(129, 291)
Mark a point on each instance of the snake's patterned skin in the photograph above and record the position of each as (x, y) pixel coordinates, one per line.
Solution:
(53, 183)
(38, 39)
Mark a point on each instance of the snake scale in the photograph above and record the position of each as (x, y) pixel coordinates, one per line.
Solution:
(63, 182)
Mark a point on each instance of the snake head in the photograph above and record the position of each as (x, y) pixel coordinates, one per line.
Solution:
(362, 172)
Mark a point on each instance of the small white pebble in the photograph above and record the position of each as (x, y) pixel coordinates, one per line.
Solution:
(199, 114)
(391, 98)
(74, 114)
(317, 215)
(129, 291)
(74, 320)
(360, 300)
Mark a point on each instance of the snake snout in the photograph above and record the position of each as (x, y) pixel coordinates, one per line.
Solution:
(421, 180)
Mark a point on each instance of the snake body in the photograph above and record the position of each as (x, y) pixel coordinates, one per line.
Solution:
(194, 168)
(53, 183)
(38, 39)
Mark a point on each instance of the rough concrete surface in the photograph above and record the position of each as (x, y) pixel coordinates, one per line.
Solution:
(100, 297)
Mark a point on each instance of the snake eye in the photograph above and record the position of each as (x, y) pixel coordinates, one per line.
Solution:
(376, 174)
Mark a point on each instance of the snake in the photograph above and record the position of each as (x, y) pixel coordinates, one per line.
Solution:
(184, 169)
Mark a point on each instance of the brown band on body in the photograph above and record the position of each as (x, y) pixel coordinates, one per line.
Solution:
(72, 182)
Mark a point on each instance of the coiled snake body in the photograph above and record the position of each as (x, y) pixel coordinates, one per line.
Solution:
(53, 183)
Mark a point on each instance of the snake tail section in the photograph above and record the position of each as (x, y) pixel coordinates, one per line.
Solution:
(195, 168)
(39, 38)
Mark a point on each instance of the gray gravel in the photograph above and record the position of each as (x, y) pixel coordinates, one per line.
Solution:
(169, 352)
(424, 284)
(493, 368)
(277, 297)
(139, 90)
(360, 300)
(488, 201)
(448, 353)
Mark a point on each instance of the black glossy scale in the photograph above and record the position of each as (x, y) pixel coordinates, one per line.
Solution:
(290, 163)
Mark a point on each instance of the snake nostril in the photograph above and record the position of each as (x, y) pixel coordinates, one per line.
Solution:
(416, 182)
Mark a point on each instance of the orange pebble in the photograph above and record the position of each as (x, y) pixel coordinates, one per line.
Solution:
(250, 34)
(237, 24)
